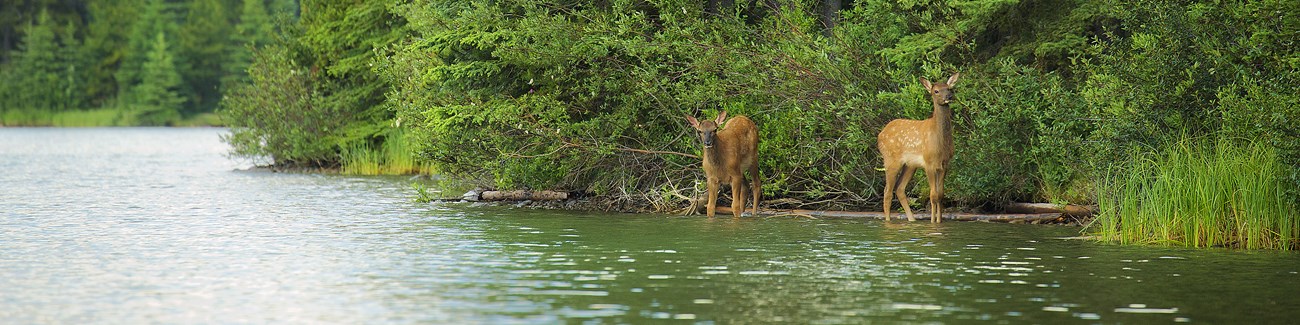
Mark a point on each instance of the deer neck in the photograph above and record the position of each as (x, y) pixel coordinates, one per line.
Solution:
(711, 155)
(943, 124)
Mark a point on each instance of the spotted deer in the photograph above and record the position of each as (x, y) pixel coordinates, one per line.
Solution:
(907, 145)
(728, 154)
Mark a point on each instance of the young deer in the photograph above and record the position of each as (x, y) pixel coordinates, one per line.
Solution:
(907, 145)
(728, 153)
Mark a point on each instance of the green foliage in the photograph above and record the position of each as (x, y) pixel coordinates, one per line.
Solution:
(589, 96)
(543, 94)
(313, 99)
(105, 46)
(279, 115)
(254, 30)
(156, 18)
(1198, 194)
(202, 40)
(157, 97)
(58, 56)
(422, 194)
(44, 75)
(395, 156)
(73, 118)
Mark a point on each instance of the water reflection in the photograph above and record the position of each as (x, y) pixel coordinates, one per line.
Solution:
(151, 225)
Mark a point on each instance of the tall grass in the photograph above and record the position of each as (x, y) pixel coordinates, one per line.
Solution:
(94, 117)
(91, 118)
(1199, 193)
(394, 157)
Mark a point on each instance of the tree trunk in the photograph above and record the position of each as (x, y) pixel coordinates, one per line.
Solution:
(523, 195)
(829, 14)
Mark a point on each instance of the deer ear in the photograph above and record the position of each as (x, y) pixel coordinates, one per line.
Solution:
(925, 83)
(694, 123)
(722, 116)
(953, 80)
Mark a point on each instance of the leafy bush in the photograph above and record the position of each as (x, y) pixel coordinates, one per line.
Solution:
(279, 115)
(589, 97)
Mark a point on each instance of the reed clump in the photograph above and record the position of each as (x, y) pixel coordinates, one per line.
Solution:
(395, 156)
(1199, 193)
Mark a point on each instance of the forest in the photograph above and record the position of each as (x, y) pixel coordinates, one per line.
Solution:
(127, 62)
(1059, 101)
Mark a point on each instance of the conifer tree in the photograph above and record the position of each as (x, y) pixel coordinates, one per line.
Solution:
(154, 19)
(36, 69)
(202, 43)
(254, 30)
(108, 28)
(72, 70)
(157, 96)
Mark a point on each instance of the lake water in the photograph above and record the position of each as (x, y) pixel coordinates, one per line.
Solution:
(155, 225)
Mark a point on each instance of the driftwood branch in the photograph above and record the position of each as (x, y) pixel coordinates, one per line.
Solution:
(1065, 209)
(523, 195)
(1021, 217)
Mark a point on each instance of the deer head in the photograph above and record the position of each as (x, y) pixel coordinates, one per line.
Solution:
(941, 94)
(708, 130)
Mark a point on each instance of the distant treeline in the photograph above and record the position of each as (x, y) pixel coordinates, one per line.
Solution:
(153, 60)
(590, 95)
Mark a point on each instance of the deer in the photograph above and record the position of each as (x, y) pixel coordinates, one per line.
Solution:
(728, 154)
(907, 145)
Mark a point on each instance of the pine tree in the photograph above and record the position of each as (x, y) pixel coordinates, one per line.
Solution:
(202, 44)
(157, 96)
(35, 79)
(72, 65)
(155, 19)
(106, 46)
(253, 31)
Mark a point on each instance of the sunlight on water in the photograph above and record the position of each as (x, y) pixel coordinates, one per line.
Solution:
(154, 226)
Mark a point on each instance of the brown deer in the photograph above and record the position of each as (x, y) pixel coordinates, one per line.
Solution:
(907, 145)
(728, 153)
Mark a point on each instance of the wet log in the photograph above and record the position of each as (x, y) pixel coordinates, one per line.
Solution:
(1069, 210)
(521, 195)
(1014, 217)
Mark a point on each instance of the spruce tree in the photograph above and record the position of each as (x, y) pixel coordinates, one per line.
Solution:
(158, 98)
(154, 19)
(108, 29)
(72, 70)
(253, 31)
(202, 45)
(35, 78)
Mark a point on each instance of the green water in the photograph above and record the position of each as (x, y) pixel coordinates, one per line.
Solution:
(144, 225)
(630, 268)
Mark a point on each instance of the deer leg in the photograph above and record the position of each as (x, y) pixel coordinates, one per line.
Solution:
(891, 175)
(932, 177)
(901, 191)
(938, 196)
(758, 186)
(712, 203)
(737, 195)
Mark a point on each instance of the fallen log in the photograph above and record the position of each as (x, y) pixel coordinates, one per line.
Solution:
(522, 195)
(1069, 210)
(1015, 217)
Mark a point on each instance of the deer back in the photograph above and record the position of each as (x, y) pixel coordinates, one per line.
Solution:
(736, 149)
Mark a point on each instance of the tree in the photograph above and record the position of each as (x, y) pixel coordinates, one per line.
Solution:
(158, 98)
(35, 81)
(253, 30)
(203, 39)
(154, 19)
(105, 46)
